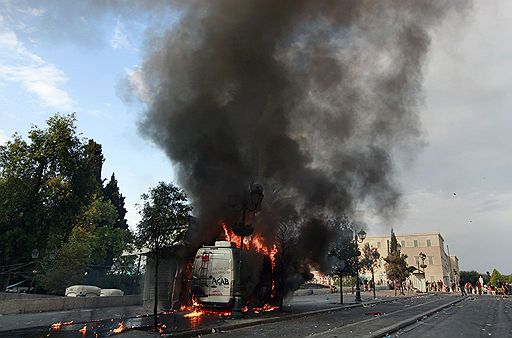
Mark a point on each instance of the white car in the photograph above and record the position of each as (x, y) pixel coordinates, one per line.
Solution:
(83, 291)
(111, 292)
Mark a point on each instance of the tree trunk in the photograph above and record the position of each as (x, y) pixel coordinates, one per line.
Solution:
(155, 306)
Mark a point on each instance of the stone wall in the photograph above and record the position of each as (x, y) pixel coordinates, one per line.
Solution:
(11, 295)
(15, 306)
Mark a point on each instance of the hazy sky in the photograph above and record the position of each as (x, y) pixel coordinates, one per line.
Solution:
(72, 59)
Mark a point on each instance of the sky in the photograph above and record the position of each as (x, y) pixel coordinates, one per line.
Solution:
(75, 59)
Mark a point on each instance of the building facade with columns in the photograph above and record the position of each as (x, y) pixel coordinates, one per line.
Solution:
(440, 265)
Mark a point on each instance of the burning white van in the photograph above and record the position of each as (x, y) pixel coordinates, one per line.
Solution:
(215, 276)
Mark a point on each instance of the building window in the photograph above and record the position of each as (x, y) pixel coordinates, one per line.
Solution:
(378, 244)
(429, 242)
(430, 260)
(402, 243)
(415, 243)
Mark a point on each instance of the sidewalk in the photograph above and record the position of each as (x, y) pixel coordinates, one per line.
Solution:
(42, 319)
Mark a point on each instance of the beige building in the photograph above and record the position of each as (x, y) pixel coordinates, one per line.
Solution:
(440, 266)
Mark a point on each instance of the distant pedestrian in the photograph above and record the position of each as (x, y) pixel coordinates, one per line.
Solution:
(462, 287)
(479, 287)
(468, 287)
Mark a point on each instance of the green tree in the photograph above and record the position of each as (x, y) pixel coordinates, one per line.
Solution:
(50, 185)
(396, 263)
(90, 249)
(68, 268)
(370, 261)
(344, 254)
(496, 278)
(38, 189)
(111, 192)
(165, 219)
(469, 276)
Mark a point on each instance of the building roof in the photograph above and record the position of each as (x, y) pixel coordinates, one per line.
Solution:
(409, 235)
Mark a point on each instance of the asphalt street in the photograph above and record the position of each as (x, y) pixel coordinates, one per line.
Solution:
(352, 322)
(477, 316)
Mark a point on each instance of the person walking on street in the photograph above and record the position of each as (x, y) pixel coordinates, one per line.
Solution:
(480, 284)
(479, 287)
(462, 288)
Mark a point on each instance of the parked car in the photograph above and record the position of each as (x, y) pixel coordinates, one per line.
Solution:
(318, 286)
(111, 292)
(83, 291)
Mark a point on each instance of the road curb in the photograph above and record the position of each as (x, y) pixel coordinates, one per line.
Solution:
(404, 323)
(256, 322)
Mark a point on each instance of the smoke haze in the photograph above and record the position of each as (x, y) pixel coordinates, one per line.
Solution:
(310, 96)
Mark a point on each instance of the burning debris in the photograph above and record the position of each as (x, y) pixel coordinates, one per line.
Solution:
(83, 330)
(120, 328)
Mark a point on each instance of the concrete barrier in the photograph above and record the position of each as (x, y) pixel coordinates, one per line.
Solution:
(65, 303)
(9, 296)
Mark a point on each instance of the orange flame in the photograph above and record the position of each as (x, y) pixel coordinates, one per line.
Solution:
(161, 328)
(256, 242)
(56, 326)
(265, 308)
(197, 310)
(195, 313)
(120, 328)
(83, 330)
(229, 235)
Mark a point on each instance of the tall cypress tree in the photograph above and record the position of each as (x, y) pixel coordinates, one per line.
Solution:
(396, 262)
(111, 192)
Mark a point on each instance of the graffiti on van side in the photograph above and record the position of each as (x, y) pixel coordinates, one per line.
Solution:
(221, 281)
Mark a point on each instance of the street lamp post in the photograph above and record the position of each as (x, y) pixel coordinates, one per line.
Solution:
(359, 238)
(455, 278)
(423, 266)
(35, 256)
(250, 202)
(423, 257)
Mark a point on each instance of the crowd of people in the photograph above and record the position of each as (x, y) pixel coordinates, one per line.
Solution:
(464, 287)
(480, 288)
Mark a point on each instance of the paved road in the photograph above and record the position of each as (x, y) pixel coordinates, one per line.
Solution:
(353, 322)
(479, 316)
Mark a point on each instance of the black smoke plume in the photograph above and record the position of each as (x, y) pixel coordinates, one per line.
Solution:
(309, 98)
